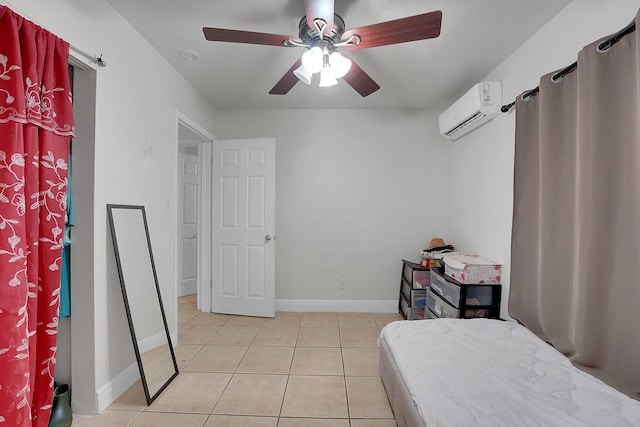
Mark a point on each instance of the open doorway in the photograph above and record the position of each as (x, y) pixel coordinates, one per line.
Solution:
(193, 206)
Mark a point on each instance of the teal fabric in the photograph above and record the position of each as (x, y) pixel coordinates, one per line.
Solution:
(65, 268)
(65, 282)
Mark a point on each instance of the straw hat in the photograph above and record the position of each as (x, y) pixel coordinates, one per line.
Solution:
(437, 243)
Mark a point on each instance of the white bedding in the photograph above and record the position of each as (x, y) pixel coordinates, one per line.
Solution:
(482, 372)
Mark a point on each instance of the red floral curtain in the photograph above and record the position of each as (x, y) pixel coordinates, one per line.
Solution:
(36, 122)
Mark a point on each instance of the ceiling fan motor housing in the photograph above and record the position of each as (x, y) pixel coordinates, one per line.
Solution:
(310, 35)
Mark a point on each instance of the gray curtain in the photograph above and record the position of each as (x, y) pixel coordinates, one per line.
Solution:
(575, 272)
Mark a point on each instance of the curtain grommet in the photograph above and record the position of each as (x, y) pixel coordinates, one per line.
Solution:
(557, 78)
(604, 46)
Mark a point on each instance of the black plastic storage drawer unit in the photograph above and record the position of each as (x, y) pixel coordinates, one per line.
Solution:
(414, 282)
(449, 298)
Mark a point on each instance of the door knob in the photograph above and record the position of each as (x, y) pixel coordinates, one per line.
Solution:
(267, 238)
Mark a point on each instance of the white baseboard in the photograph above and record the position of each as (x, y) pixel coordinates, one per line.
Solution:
(112, 390)
(156, 341)
(361, 306)
(108, 393)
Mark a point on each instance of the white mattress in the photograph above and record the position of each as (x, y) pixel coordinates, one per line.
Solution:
(481, 372)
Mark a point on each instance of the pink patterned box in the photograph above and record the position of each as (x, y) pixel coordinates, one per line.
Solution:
(472, 269)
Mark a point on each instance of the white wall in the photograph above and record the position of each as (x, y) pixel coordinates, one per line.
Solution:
(138, 96)
(482, 162)
(357, 191)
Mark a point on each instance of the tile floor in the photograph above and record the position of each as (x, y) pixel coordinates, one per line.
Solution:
(295, 370)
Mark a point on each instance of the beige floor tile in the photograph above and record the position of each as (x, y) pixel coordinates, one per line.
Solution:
(373, 423)
(312, 422)
(382, 319)
(190, 299)
(359, 337)
(267, 360)
(318, 337)
(315, 397)
(367, 398)
(192, 392)
(234, 335)
(252, 394)
(185, 315)
(290, 365)
(187, 309)
(217, 358)
(185, 352)
(361, 361)
(317, 361)
(131, 400)
(319, 320)
(240, 421)
(245, 321)
(209, 319)
(196, 334)
(356, 320)
(158, 367)
(276, 336)
(156, 419)
(107, 418)
(285, 319)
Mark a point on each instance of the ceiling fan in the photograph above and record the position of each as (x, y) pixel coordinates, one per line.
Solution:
(322, 32)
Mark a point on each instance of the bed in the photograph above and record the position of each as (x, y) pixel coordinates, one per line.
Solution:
(483, 372)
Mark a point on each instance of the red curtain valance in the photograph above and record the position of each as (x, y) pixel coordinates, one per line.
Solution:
(34, 81)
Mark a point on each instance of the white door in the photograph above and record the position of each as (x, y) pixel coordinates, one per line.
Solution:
(188, 210)
(244, 227)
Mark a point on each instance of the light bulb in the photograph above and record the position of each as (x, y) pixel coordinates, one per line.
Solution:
(312, 59)
(303, 74)
(327, 78)
(339, 65)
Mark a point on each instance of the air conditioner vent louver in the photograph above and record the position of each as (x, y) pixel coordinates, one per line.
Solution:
(479, 105)
(470, 121)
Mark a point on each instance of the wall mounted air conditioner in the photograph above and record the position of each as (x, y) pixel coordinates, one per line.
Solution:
(479, 105)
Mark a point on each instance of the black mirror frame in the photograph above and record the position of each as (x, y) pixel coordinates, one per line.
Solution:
(143, 379)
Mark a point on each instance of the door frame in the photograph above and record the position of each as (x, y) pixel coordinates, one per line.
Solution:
(205, 142)
(82, 350)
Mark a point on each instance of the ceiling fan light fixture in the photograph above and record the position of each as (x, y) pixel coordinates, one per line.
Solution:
(312, 59)
(327, 78)
(340, 65)
(303, 74)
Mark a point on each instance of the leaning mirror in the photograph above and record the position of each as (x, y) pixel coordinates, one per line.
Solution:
(142, 299)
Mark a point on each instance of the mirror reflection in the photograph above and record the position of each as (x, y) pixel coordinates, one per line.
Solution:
(142, 299)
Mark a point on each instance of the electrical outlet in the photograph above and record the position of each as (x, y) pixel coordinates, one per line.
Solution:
(341, 284)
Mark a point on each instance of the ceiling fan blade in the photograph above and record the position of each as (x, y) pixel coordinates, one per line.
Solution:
(287, 82)
(322, 9)
(250, 37)
(418, 27)
(359, 80)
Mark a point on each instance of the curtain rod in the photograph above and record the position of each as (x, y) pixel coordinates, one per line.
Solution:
(93, 58)
(602, 47)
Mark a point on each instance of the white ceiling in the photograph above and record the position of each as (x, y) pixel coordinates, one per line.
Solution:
(476, 36)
